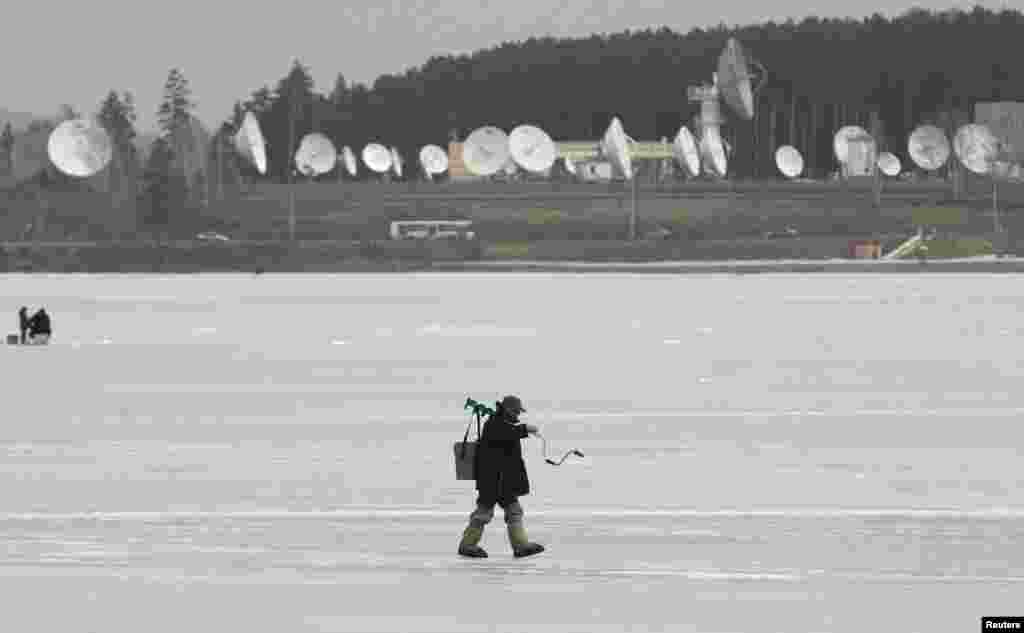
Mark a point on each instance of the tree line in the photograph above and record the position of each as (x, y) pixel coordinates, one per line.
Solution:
(920, 67)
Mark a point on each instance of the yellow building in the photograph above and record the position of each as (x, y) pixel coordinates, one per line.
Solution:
(573, 150)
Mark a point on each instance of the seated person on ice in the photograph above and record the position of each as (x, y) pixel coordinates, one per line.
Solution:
(40, 329)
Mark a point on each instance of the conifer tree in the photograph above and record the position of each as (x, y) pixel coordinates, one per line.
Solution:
(165, 194)
(164, 189)
(177, 104)
(117, 115)
(66, 113)
(7, 150)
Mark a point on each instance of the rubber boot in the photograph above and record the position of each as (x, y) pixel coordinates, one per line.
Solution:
(470, 544)
(521, 545)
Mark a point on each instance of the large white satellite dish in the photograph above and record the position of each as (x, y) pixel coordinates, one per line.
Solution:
(841, 141)
(976, 147)
(928, 147)
(316, 155)
(734, 79)
(685, 150)
(433, 159)
(532, 148)
(615, 147)
(80, 148)
(486, 151)
(350, 160)
(377, 157)
(713, 152)
(889, 163)
(396, 161)
(250, 144)
(789, 161)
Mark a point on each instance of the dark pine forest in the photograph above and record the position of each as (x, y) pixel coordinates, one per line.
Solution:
(919, 67)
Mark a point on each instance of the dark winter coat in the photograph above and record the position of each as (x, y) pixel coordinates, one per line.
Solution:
(500, 470)
(40, 323)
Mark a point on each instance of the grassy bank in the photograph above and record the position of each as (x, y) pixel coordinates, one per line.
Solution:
(385, 255)
(191, 257)
(507, 212)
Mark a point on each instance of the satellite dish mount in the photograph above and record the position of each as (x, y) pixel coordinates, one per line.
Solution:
(731, 84)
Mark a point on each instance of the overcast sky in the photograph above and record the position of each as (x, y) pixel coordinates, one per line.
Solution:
(52, 53)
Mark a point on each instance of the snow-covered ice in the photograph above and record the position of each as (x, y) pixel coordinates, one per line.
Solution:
(273, 453)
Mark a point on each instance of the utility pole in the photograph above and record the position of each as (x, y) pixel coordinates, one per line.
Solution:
(996, 226)
(632, 213)
(288, 161)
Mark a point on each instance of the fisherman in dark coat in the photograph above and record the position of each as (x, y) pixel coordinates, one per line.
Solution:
(501, 479)
(40, 328)
(23, 323)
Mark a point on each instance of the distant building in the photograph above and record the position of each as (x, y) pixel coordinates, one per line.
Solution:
(580, 152)
(456, 165)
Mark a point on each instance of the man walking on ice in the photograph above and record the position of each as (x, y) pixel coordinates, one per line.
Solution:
(501, 479)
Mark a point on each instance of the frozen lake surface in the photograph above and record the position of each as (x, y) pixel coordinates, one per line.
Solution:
(273, 453)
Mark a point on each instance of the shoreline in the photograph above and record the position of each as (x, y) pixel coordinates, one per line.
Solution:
(986, 264)
(798, 255)
(977, 265)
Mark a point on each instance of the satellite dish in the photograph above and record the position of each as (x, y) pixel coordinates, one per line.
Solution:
(686, 153)
(377, 157)
(841, 141)
(713, 152)
(569, 165)
(928, 147)
(789, 161)
(889, 164)
(596, 170)
(396, 161)
(433, 159)
(250, 144)
(79, 148)
(350, 160)
(1001, 169)
(734, 79)
(486, 152)
(602, 170)
(510, 168)
(976, 147)
(532, 148)
(615, 147)
(316, 155)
